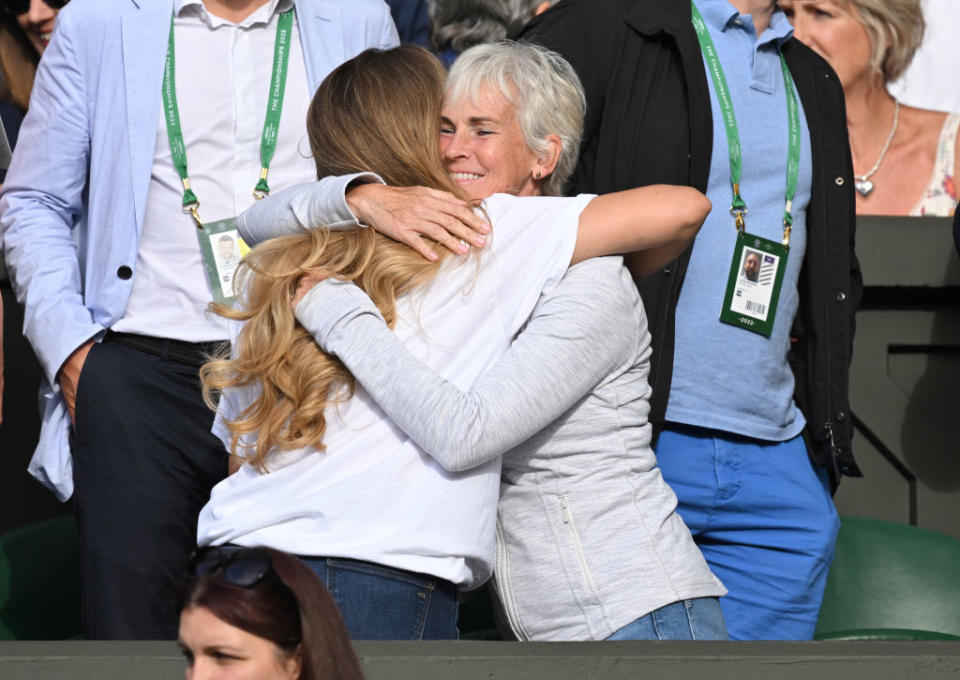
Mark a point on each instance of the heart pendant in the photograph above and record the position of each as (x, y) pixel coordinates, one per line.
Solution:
(864, 186)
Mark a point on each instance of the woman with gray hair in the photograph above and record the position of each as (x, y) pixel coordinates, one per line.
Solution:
(588, 543)
(905, 159)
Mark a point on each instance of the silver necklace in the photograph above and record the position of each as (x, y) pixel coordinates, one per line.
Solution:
(862, 182)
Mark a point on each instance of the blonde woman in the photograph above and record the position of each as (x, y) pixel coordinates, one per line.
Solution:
(906, 160)
(328, 476)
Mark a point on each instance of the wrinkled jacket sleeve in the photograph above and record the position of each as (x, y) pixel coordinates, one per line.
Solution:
(567, 348)
(300, 207)
(42, 201)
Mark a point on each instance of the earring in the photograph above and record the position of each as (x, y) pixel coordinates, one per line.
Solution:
(537, 176)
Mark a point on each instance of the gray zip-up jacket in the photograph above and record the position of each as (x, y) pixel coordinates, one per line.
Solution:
(588, 539)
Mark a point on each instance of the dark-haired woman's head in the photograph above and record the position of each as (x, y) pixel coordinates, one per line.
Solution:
(25, 30)
(259, 613)
(35, 18)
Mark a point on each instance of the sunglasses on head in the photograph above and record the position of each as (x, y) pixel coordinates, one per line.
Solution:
(242, 567)
(17, 7)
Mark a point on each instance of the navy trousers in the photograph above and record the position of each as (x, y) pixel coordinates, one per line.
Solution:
(144, 462)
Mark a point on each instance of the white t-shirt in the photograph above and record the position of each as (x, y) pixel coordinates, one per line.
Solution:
(373, 495)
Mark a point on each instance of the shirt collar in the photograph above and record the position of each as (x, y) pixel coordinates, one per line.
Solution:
(261, 16)
(720, 15)
(780, 29)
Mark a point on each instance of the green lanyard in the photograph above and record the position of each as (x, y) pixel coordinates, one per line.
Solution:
(738, 207)
(271, 125)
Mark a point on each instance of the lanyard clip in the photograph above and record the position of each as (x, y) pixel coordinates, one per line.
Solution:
(738, 218)
(262, 189)
(738, 208)
(787, 222)
(191, 203)
(193, 211)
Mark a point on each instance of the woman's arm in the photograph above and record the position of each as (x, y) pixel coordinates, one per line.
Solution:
(405, 214)
(302, 206)
(659, 220)
(578, 334)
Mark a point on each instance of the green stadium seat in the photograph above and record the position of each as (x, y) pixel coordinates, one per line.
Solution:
(891, 581)
(40, 582)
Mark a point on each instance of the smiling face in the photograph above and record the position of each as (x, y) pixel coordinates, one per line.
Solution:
(835, 33)
(483, 147)
(37, 24)
(216, 650)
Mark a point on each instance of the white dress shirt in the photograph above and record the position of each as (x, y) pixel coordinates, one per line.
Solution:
(223, 75)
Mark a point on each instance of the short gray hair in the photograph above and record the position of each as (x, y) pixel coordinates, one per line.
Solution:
(459, 24)
(543, 89)
(895, 29)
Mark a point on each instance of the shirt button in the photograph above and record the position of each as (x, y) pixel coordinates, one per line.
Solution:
(841, 296)
(124, 272)
(840, 416)
(838, 181)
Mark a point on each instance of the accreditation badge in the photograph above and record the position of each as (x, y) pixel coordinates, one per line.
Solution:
(222, 250)
(753, 287)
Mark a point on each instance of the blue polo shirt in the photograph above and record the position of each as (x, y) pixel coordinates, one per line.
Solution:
(724, 377)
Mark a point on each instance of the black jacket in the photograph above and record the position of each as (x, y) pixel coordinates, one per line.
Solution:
(649, 121)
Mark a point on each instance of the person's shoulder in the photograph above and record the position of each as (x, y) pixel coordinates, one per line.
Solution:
(808, 66)
(83, 11)
(799, 55)
(927, 119)
(578, 12)
(509, 208)
(348, 6)
(92, 21)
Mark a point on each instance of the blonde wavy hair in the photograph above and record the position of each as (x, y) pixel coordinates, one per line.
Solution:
(379, 111)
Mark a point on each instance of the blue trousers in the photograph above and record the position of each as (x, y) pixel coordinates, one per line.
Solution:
(381, 603)
(696, 619)
(765, 522)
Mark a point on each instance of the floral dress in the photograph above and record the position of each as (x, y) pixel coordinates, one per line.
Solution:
(940, 197)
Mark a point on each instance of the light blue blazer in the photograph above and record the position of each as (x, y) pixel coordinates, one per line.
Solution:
(75, 195)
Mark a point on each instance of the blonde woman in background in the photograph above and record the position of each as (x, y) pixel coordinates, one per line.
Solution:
(905, 159)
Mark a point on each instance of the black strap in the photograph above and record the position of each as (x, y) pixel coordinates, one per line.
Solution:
(190, 353)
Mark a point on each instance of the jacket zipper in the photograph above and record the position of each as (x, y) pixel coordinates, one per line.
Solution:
(578, 547)
(506, 595)
(824, 285)
(834, 452)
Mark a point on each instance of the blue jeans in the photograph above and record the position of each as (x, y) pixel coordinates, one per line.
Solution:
(697, 619)
(381, 603)
(762, 515)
